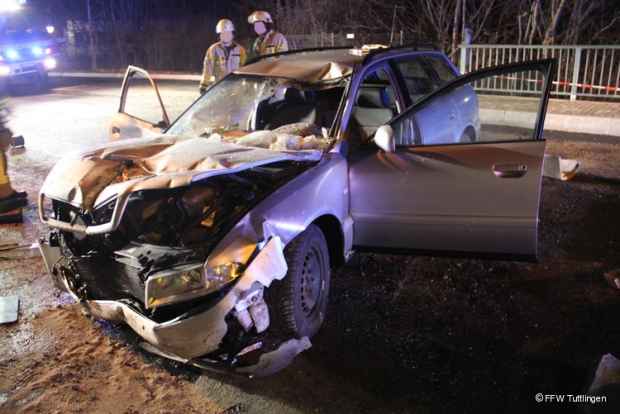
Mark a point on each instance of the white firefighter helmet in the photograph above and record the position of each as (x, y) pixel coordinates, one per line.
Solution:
(224, 25)
(260, 16)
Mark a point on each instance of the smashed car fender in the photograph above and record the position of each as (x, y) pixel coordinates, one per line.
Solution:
(270, 263)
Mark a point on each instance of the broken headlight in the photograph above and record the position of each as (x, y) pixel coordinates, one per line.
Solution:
(224, 273)
(188, 282)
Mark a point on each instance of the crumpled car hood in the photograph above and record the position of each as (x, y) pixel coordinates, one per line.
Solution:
(89, 179)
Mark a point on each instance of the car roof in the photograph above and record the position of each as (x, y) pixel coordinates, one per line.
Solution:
(318, 65)
(306, 66)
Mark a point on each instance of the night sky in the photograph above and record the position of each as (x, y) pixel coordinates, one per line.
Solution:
(76, 9)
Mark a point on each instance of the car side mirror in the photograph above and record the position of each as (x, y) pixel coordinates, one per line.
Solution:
(384, 138)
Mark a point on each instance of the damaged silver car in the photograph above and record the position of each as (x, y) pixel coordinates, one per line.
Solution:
(214, 238)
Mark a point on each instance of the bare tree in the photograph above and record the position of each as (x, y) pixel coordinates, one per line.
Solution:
(150, 33)
(557, 10)
(456, 25)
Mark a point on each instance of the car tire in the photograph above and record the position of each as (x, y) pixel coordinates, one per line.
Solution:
(299, 301)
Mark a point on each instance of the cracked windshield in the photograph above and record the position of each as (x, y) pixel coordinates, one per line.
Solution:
(263, 112)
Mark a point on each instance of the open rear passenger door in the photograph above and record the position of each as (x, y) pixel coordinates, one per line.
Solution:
(141, 112)
(474, 189)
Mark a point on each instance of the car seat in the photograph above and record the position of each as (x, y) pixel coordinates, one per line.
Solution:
(375, 106)
(292, 110)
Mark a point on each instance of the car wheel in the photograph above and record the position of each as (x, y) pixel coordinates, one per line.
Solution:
(469, 135)
(299, 301)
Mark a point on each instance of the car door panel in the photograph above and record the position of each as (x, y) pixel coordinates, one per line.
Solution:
(439, 211)
(130, 122)
(440, 193)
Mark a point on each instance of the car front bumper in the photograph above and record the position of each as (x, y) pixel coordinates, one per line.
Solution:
(185, 338)
(192, 335)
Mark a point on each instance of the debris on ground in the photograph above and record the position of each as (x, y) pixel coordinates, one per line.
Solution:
(9, 309)
(560, 168)
(77, 367)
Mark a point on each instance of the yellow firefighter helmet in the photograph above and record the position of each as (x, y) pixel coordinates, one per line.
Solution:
(224, 25)
(260, 16)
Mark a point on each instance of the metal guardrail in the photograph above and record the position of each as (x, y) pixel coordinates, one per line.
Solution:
(583, 71)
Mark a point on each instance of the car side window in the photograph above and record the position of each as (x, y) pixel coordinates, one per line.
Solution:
(441, 68)
(141, 101)
(376, 103)
(501, 106)
(418, 80)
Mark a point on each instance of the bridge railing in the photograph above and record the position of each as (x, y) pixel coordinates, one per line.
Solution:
(583, 71)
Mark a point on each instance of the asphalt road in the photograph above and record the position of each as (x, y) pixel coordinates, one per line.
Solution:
(403, 334)
(75, 114)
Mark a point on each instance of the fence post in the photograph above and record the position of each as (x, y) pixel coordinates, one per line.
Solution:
(463, 59)
(576, 69)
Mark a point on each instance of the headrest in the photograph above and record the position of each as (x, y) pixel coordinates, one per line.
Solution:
(294, 95)
(370, 97)
(376, 97)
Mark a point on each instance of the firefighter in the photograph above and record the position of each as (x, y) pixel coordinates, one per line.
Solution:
(11, 201)
(223, 57)
(269, 40)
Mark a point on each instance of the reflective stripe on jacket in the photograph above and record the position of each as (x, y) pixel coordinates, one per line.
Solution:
(5, 140)
(4, 174)
(220, 61)
(272, 42)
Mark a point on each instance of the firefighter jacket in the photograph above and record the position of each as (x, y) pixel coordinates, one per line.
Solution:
(269, 43)
(220, 60)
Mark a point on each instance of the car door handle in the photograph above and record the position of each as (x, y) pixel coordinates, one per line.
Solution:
(116, 130)
(509, 170)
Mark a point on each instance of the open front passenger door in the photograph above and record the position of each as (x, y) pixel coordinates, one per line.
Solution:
(141, 112)
(474, 189)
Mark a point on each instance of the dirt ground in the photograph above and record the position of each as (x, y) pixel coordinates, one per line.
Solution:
(403, 334)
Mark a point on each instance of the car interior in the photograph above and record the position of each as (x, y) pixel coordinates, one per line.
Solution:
(317, 107)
